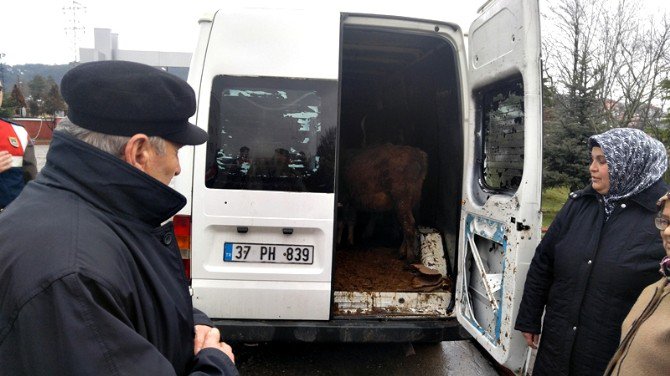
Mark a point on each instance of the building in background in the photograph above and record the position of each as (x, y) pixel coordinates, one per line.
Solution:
(40, 129)
(106, 47)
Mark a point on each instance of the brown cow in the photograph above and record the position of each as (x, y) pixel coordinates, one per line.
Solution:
(387, 178)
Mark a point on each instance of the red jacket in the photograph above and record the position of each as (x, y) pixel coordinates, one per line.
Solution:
(15, 140)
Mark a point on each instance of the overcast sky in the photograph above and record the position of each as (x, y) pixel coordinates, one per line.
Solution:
(40, 31)
(36, 31)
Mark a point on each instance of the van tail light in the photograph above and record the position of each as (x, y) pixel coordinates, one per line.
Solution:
(182, 230)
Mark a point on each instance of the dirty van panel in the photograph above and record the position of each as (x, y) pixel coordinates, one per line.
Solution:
(400, 86)
(496, 235)
(501, 218)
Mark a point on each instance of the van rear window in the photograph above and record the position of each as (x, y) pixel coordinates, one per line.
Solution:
(502, 122)
(273, 134)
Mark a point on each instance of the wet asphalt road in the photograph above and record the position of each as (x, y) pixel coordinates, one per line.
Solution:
(40, 155)
(458, 358)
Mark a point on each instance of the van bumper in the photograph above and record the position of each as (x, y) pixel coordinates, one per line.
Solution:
(342, 330)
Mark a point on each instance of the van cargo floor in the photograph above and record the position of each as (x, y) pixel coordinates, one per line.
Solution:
(373, 282)
(367, 269)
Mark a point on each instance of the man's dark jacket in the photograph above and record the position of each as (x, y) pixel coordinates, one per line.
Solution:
(589, 273)
(90, 282)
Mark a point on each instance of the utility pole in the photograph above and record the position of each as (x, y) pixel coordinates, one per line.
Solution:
(72, 11)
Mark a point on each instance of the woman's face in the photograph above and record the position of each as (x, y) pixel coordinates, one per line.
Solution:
(600, 177)
(665, 234)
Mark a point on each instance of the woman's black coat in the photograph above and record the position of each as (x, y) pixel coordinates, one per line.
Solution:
(588, 273)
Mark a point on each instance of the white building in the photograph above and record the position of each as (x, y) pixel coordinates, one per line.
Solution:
(106, 47)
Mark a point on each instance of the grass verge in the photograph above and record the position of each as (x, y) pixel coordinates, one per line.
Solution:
(552, 201)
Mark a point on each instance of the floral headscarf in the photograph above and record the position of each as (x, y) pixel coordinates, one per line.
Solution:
(635, 161)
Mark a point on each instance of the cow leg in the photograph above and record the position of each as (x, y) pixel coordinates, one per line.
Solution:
(408, 248)
(347, 217)
(369, 225)
(350, 231)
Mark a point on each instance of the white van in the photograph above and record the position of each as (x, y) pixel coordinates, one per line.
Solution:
(296, 90)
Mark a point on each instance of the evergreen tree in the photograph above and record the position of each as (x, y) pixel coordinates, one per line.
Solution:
(38, 87)
(16, 101)
(53, 101)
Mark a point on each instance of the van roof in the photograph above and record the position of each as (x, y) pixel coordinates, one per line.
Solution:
(461, 14)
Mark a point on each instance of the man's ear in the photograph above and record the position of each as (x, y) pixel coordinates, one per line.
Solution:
(138, 151)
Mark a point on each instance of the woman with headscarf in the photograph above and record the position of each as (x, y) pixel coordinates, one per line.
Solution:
(600, 251)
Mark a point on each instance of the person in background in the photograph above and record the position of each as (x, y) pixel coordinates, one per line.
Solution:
(645, 332)
(600, 251)
(281, 161)
(243, 157)
(242, 163)
(17, 160)
(91, 278)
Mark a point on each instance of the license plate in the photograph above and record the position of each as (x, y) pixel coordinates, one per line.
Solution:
(273, 253)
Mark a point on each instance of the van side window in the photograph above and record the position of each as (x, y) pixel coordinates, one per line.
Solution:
(502, 124)
(272, 134)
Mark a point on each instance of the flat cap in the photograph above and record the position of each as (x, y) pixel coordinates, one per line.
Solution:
(124, 98)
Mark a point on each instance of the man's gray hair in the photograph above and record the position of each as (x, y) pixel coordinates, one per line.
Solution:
(111, 144)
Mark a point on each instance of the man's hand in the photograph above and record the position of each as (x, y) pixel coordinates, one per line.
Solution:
(531, 339)
(5, 160)
(200, 334)
(210, 337)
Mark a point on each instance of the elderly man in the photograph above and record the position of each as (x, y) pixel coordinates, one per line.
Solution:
(91, 280)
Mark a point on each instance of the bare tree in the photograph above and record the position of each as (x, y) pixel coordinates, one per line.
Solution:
(606, 63)
(608, 50)
(645, 99)
(614, 27)
(568, 59)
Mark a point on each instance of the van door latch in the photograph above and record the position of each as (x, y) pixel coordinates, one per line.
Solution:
(521, 227)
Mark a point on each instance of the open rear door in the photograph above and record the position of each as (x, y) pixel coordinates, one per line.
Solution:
(500, 219)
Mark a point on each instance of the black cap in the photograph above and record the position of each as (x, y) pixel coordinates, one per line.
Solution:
(123, 98)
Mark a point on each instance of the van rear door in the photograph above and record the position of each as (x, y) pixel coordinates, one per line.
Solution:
(501, 219)
(263, 197)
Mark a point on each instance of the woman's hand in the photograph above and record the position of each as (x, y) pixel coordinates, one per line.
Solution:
(532, 339)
